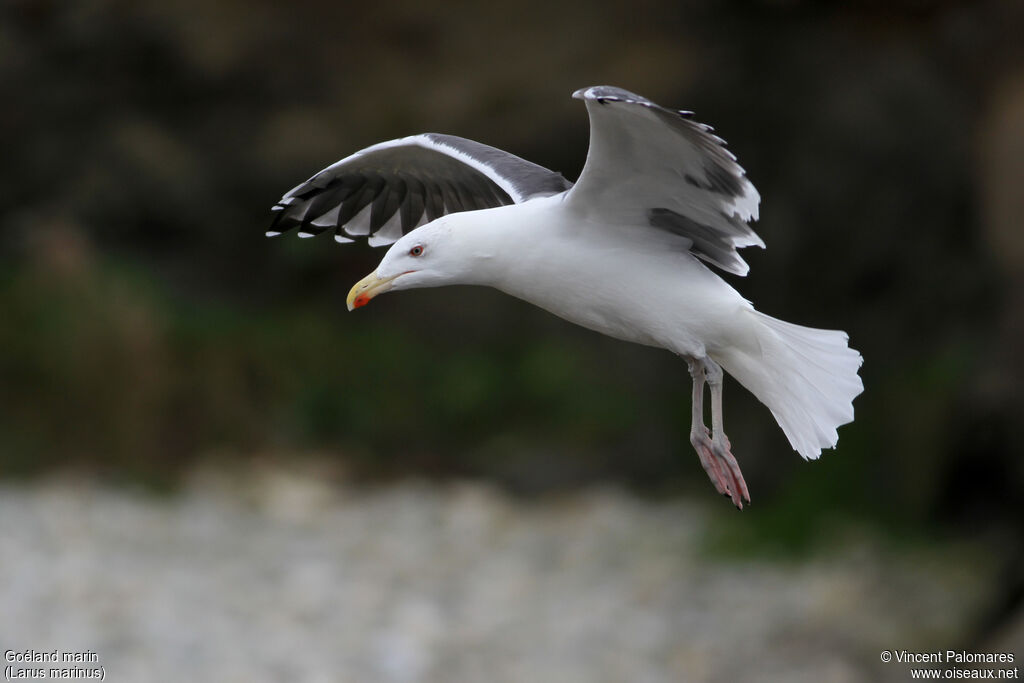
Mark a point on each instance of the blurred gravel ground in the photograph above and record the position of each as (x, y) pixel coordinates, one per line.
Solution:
(286, 576)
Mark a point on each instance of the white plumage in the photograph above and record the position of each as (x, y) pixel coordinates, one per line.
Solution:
(619, 252)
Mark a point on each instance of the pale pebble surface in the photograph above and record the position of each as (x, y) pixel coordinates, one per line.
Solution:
(288, 577)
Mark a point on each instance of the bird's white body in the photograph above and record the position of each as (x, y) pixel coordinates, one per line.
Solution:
(629, 282)
(641, 291)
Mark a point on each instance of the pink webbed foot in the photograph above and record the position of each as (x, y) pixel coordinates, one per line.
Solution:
(718, 461)
(702, 444)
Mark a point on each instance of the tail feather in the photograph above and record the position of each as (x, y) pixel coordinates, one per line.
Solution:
(807, 378)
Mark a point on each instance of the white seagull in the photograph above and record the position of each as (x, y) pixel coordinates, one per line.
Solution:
(624, 251)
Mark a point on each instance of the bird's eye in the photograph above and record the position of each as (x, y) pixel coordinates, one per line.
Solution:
(416, 251)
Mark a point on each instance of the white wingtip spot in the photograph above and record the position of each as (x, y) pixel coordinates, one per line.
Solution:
(272, 233)
(329, 219)
(306, 235)
(340, 239)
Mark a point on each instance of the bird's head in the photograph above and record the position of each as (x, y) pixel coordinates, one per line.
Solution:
(429, 256)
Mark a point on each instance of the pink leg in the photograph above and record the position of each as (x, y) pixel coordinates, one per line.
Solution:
(700, 437)
(714, 451)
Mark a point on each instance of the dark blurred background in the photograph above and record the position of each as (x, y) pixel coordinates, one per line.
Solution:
(148, 326)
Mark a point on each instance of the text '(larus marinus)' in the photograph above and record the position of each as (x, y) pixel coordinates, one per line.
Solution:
(624, 251)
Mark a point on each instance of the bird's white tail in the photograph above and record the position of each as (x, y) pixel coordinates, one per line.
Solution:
(807, 378)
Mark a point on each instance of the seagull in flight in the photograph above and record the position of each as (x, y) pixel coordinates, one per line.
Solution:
(629, 251)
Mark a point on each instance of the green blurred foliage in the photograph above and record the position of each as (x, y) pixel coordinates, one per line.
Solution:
(147, 324)
(104, 368)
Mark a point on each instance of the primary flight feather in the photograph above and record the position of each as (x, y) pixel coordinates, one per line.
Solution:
(624, 251)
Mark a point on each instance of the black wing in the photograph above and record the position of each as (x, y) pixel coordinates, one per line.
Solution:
(656, 166)
(384, 191)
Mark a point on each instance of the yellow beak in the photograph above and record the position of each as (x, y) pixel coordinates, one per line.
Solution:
(367, 288)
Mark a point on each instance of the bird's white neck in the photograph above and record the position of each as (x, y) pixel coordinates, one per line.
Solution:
(495, 243)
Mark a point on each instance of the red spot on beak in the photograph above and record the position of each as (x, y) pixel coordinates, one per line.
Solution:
(360, 301)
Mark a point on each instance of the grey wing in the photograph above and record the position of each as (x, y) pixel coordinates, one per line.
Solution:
(656, 166)
(386, 190)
